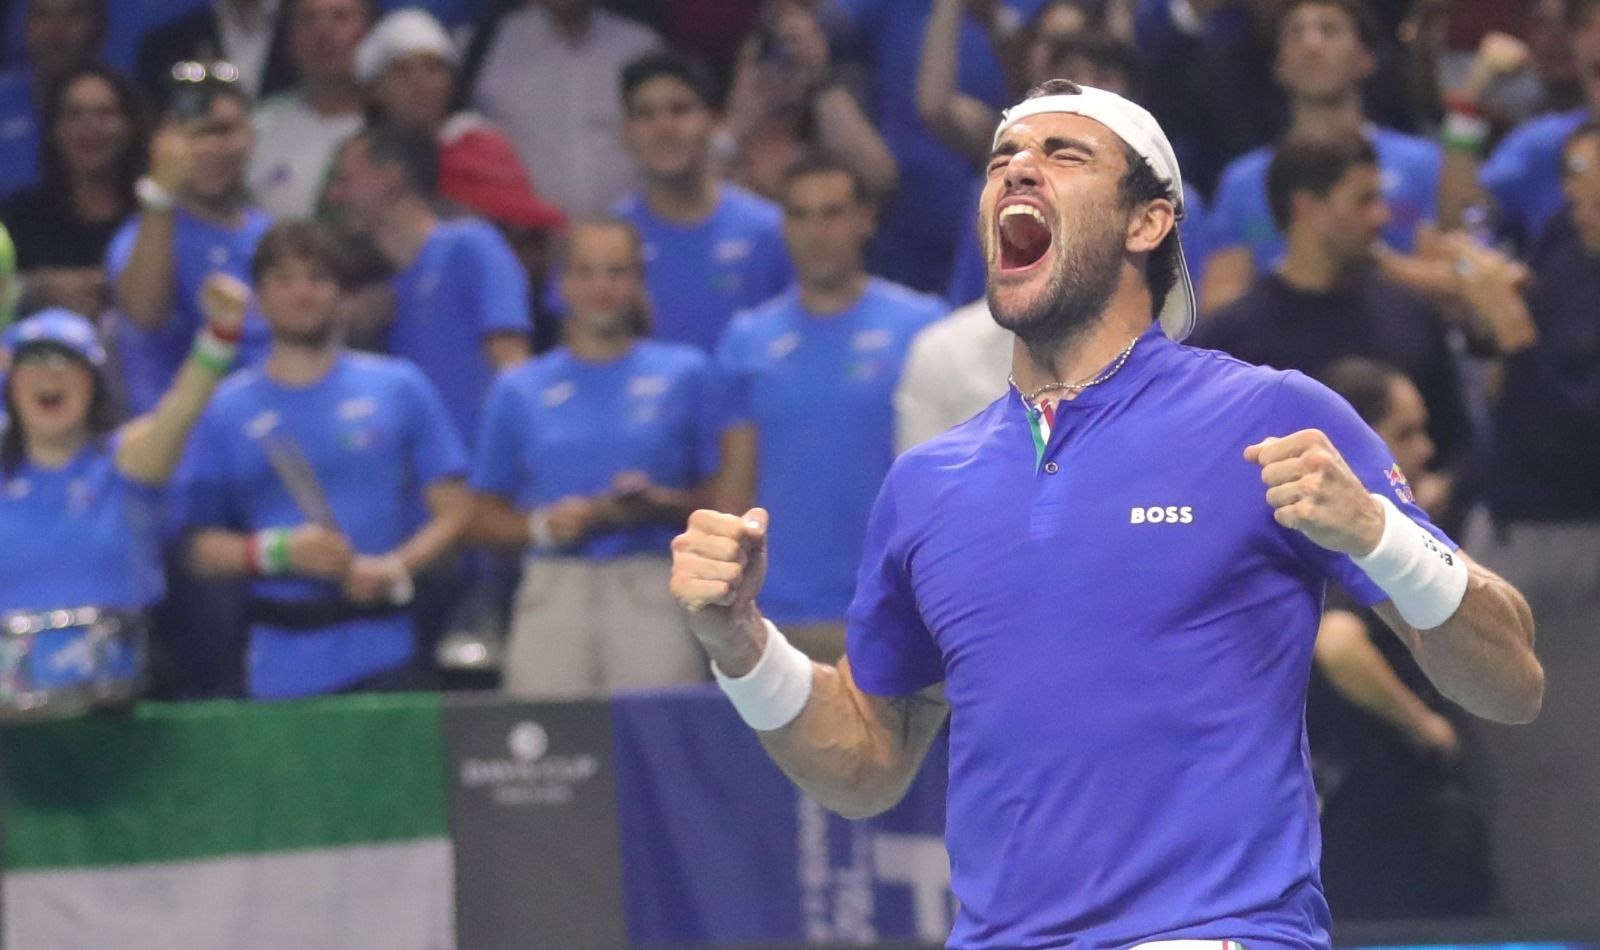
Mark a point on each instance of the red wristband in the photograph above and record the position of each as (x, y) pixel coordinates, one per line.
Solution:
(226, 336)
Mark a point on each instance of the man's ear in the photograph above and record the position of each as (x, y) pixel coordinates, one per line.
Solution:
(1149, 225)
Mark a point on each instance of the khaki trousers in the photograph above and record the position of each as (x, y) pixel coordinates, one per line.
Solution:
(588, 628)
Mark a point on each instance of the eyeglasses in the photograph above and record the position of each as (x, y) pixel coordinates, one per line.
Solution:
(194, 71)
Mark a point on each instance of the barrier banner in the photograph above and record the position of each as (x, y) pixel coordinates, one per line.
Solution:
(533, 816)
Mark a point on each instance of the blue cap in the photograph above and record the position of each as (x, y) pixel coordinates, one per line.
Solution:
(61, 327)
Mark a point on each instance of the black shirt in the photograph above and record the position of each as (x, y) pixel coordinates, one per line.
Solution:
(1277, 325)
(49, 233)
(1546, 446)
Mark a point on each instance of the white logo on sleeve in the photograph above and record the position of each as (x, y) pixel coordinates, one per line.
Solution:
(1159, 514)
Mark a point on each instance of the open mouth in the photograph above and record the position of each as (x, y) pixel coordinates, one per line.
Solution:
(50, 400)
(1024, 237)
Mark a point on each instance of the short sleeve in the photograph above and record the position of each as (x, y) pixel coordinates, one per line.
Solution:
(497, 468)
(1508, 173)
(496, 284)
(203, 483)
(120, 249)
(435, 445)
(733, 377)
(1303, 403)
(891, 651)
(775, 271)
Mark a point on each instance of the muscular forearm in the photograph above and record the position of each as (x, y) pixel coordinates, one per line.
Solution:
(217, 553)
(854, 753)
(1482, 657)
(144, 290)
(1356, 668)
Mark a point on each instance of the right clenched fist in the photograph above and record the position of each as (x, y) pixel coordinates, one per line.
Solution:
(720, 561)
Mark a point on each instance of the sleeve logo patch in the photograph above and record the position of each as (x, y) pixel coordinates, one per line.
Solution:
(1398, 483)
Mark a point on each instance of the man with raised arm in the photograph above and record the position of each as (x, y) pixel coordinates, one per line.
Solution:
(1110, 580)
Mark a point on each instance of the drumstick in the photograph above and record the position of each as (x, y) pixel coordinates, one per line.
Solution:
(295, 472)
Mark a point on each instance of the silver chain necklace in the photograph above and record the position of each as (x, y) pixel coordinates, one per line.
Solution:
(1077, 387)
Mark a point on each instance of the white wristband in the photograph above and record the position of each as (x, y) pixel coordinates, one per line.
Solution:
(152, 197)
(772, 694)
(1425, 580)
(539, 530)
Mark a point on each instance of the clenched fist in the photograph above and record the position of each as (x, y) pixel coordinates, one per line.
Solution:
(718, 565)
(1312, 490)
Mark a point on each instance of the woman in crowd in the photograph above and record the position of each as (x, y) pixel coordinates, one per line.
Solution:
(79, 495)
(92, 151)
(590, 459)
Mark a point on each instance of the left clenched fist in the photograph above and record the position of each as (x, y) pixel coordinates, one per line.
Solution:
(1312, 490)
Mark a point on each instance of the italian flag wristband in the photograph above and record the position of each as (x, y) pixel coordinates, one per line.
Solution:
(214, 352)
(267, 552)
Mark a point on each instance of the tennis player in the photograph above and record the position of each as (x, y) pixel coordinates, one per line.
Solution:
(1110, 581)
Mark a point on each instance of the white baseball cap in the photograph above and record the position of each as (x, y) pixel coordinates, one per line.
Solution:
(402, 33)
(1139, 129)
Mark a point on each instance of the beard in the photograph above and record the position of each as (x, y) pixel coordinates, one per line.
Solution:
(1083, 276)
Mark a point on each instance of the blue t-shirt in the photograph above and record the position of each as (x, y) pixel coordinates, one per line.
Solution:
(1125, 636)
(150, 359)
(700, 275)
(819, 391)
(969, 276)
(19, 132)
(1409, 167)
(464, 286)
(560, 426)
(377, 435)
(83, 535)
(1523, 174)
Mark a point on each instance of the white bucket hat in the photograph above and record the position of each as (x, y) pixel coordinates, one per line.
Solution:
(401, 33)
(1139, 129)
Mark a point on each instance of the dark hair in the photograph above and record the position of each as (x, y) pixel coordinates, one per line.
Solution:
(130, 102)
(102, 419)
(1138, 184)
(641, 324)
(1311, 165)
(687, 70)
(187, 98)
(416, 151)
(298, 240)
(1579, 11)
(819, 165)
(1366, 25)
(1590, 127)
(1104, 52)
(1365, 384)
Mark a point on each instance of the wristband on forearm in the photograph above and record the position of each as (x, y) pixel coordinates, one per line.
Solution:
(267, 552)
(776, 689)
(539, 530)
(1465, 129)
(1426, 580)
(214, 352)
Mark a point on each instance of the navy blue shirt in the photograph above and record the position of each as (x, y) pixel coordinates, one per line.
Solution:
(1125, 635)
(1547, 423)
(699, 275)
(819, 390)
(559, 426)
(377, 435)
(19, 132)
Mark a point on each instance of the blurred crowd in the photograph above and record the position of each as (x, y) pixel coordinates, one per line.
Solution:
(354, 345)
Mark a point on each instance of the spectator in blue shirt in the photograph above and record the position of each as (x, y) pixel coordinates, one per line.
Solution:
(309, 473)
(60, 36)
(460, 297)
(195, 219)
(1325, 50)
(710, 248)
(811, 377)
(80, 496)
(589, 459)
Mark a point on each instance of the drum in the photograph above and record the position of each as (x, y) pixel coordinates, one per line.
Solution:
(59, 663)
